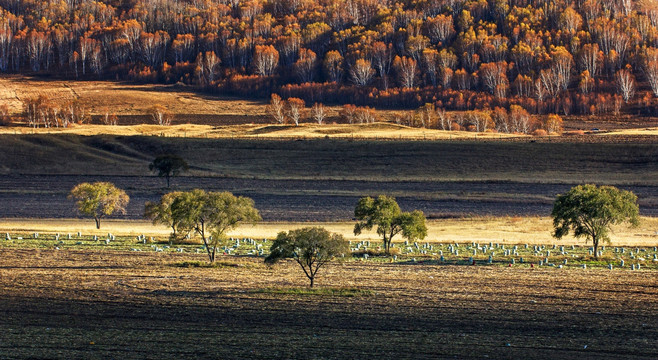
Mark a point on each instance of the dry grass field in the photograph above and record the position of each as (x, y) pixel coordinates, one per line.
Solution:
(202, 115)
(382, 131)
(503, 230)
(88, 298)
(98, 305)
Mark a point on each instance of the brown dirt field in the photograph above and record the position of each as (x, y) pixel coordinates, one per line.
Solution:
(100, 305)
(45, 196)
(122, 98)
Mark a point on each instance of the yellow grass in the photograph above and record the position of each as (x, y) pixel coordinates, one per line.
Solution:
(641, 131)
(308, 131)
(507, 230)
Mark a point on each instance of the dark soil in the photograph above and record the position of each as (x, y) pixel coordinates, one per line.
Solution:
(110, 305)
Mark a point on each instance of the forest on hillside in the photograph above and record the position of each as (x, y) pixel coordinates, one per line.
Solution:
(564, 57)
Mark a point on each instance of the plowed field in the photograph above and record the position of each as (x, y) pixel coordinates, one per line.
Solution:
(99, 305)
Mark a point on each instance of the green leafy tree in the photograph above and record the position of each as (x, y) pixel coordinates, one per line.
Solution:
(311, 247)
(168, 166)
(160, 212)
(210, 215)
(99, 199)
(589, 211)
(384, 213)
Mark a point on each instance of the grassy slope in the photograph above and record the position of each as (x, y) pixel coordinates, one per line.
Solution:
(616, 163)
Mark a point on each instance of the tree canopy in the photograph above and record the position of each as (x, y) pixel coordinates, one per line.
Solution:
(99, 199)
(168, 166)
(311, 247)
(589, 211)
(210, 215)
(160, 212)
(385, 214)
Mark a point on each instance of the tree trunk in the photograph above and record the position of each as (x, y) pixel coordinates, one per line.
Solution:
(167, 177)
(311, 278)
(595, 241)
(98, 222)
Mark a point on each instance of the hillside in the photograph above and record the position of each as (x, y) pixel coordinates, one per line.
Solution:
(587, 57)
(321, 179)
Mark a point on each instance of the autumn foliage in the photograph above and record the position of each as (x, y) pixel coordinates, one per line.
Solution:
(561, 57)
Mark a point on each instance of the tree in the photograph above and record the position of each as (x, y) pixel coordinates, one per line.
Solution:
(651, 68)
(318, 113)
(406, 70)
(161, 115)
(160, 212)
(361, 72)
(266, 59)
(305, 66)
(210, 215)
(168, 166)
(276, 108)
(99, 199)
(333, 66)
(494, 78)
(311, 247)
(625, 82)
(296, 110)
(553, 124)
(589, 211)
(384, 213)
(382, 57)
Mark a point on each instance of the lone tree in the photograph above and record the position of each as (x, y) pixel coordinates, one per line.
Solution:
(384, 213)
(168, 166)
(589, 211)
(99, 199)
(211, 214)
(160, 212)
(161, 115)
(311, 247)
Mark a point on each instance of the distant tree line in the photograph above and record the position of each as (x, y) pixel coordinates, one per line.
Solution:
(562, 57)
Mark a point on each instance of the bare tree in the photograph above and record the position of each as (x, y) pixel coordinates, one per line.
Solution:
(266, 59)
(406, 69)
(318, 113)
(296, 109)
(361, 72)
(426, 115)
(651, 68)
(347, 112)
(481, 120)
(625, 82)
(494, 78)
(207, 66)
(365, 115)
(109, 118)
(519, 119)
(444, 119)
(161, 115)
(305, 66)
(276, 109)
